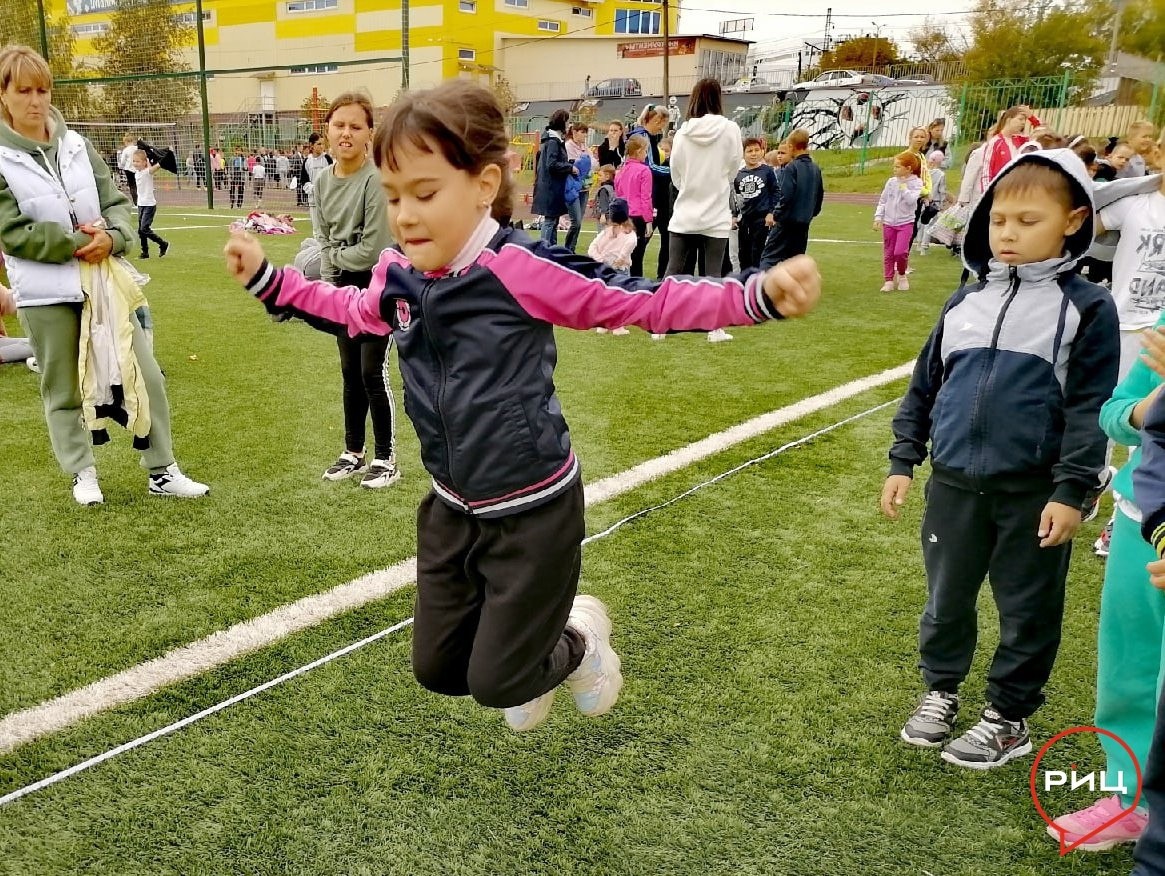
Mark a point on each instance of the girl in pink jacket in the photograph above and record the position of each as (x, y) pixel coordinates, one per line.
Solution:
(633, 184)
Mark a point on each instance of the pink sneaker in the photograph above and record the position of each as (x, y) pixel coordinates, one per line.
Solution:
(1084, 821)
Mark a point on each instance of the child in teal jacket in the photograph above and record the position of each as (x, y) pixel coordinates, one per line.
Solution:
(1130, 654)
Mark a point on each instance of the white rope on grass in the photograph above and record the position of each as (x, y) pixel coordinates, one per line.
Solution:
(355, 646)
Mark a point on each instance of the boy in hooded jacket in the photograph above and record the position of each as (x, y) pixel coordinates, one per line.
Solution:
(1007, 393)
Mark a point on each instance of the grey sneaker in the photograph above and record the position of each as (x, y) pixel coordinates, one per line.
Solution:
(344, 467)
(934, 719)
(382, 473)
(990, 743)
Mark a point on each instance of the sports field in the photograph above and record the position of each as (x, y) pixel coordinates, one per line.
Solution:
(767, 622)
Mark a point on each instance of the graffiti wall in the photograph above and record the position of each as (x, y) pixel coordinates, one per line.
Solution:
(849, 118)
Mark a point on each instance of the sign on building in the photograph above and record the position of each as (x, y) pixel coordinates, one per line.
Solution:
(653, 48)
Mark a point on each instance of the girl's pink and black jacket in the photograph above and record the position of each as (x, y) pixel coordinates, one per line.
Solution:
(477, 352)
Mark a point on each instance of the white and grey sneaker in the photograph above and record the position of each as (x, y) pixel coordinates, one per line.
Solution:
(718, 336)
(32, 364)
(172, 482)
(596, 683)
(344, 467)
(934, 719)
(529, 715)
(382, 473)
(990, 743)
(85, 488)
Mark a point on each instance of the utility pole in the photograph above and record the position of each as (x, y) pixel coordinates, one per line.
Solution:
(1116, 29)
(666, 51)
(828, 23)
(404, 45)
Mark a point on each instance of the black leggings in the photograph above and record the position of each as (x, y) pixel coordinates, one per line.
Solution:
(640, 246)
(366, 385)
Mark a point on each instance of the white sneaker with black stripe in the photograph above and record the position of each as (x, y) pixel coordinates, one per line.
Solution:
(172, 482)
(86, 491)
(344, 467)
(382, 473)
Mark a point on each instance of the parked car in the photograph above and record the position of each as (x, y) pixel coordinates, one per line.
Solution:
(877, 80)
(749, 84)
(830, 79)
(920, 79)
(618, 87)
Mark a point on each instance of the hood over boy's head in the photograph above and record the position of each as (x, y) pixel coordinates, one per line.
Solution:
(1039, 207)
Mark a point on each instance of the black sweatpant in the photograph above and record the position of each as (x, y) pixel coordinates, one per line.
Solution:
(785, 240)
(493, 597)
(967, 536)
(131, 183)
(1149, 853)
(753, 234)
(238, 185)
(366, 386)
(689, 250)
(146, 231)
(640, 245)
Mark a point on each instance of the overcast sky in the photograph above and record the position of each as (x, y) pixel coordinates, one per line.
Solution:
(790, 24)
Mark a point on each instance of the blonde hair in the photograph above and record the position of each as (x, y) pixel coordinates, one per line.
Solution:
(22, 65)
(637, 145)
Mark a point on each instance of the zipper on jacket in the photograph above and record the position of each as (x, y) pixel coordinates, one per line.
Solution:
(440, 385)
(988, 375)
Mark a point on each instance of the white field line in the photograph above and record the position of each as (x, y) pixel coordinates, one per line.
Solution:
(60, 776)
(188, 227)
(246, 637)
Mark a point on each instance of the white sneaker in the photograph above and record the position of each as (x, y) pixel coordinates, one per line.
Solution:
(32, 364)
(529, 715)
(656, 337)
(596, 683)
(85, 488)
(347, 465)
(888, 286)
(621, 331)
(172, 482)
(903, 283)
(600, 331)
(718, 336)
(381, 473)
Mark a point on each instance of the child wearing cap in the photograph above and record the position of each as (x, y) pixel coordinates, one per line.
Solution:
(614, 244)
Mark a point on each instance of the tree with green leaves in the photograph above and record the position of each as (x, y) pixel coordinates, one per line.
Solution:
(1142, 30)
(934, 43)
(1029, 41)
(146, 38)
(861, 52)
(20, 24)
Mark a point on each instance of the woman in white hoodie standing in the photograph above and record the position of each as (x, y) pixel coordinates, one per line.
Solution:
(705, 158)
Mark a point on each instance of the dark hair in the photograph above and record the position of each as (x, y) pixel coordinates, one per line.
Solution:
(579, 126)
(706, 99)
(558, 120)
(1040, 176)
(754, 141)
(351, 98)
(458, 120)
(313, 138)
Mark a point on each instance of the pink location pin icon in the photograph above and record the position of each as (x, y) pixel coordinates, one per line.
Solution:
(1066, 847)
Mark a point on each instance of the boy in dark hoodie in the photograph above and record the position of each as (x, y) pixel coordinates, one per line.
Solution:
(1007, 392)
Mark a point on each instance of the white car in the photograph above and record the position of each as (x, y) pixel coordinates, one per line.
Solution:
(831, 79)
(749, 84)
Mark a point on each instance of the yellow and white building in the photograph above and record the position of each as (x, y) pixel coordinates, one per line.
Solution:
(545, 48)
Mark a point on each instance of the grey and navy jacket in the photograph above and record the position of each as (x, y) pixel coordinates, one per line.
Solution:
(477, 353)
(801, 191)
(1008, 389)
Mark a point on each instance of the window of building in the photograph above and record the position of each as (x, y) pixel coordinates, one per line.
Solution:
(467, 5)
(90, 29)
(466, 55)
(188, 18)
(311, 69)
(311, 5)
(633, 21)
(551, 26)
(582, 11)
(518, 4)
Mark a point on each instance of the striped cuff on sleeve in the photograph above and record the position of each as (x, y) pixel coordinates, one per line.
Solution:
(756, 303)
(263, 280)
